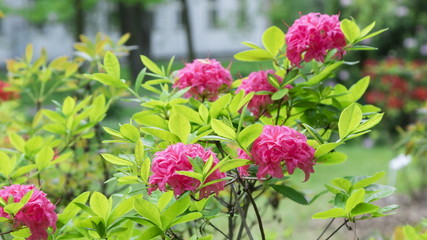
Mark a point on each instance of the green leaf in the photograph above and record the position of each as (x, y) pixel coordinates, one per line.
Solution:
(279, 94)
(219, 105)
(349, 120)
(123, 207)
(7, 164)
(189, 113)
(151, 65)
(116, 160)
(100, 205)
(44, 157)
(149, 211)
(227, 165)
(164, 200)
(71, 209)
(253, 55)
(367, 29)
(17, 141)
(204, 113)
(180, 126)
(370, 123)
(332, 158)
(356, 197)
(162, 134)
(359, 88)
(363, 208)
(313, 133)
(150, 233)
(112, 65)
(369, 180)
(249, 134)
(331, 213)
(273, 40)
(145, 169)
(251, 45)
(342, 183)
(325, 73)
(291, 193)
(139, 79)
(113, 132)
(325, 148)
(350, 29)
(194, 175)
(174, 210)
(130, 132)
(139, 152)
(23, 233)
(107, 80)
(13, 208)
(187, 218)
(223, 129)
(374, 34)
(68, 105)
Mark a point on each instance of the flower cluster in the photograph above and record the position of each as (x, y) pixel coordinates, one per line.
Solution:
(175, 158)
(256, 82)
(205, 77)
(6, 95)
(278, 146)
(396, 84)
(38, 213)
(312, 36)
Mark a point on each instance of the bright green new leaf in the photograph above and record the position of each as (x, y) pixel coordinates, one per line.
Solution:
(332, 158)
(219, 105)
(363, 208)
(249, 134)
(349, 120)
(251, 45)
(194, 175)
(139, 79)
(100, 205)
(359, 88)
(227, 165)
(369, 180)
(180, 126)
(7, 164)
(116, 160)
(149, 211)
(44, 157)
(145, 169)
(331, 213)
(150, 119)
(112, 65)
(273, 40)
(279, 94)
(68, 106)
(223, 129)
(313, 133)
(204, 113)
(325, 148)
(21, 234)
(324, 74)
(350, 29)
(342, 183)
(356, 197)
(29, 53)
(13, 208)
(113, 132)
(254, 55)
(139, 151)
(151, 65)
(370, 123)
(174, 210)
(71, 209)
(130, 132)
(373, 34)
(17, 141)
(187, 218)
(367, 29)
(164, 200)
(150, 233)
(123, 207)
(107, 80)
(162, 134)
(189, 113)
(291, 193)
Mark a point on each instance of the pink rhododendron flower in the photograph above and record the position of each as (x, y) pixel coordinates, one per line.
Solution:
(312, 35)
(38, 214)
(255, 82)
(206, 77)
(175, 158)
(243, 170)
(281, 145)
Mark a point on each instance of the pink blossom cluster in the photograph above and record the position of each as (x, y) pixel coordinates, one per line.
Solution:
(38, 213)
(312, 35)
(175, 158)
(206, 77)
(256, 82)
(278, 146)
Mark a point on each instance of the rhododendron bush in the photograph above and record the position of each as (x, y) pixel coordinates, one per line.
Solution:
(201, 147)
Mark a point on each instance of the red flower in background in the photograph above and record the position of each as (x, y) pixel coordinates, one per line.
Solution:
(5, 94)
(420, 93)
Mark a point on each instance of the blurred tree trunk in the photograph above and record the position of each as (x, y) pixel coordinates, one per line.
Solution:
(136, 20)
(79, 19)
(187, 27)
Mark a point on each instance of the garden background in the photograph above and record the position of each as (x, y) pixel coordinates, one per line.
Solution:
(215, 28)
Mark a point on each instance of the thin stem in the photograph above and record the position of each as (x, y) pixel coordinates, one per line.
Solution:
(324, 230)
(278, 112)
(336, 230)
(216, 228)
(258, 215)
(242, 214)
(230, 217)
(136, 95)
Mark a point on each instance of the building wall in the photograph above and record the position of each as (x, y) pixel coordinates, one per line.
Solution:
(168, 37)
